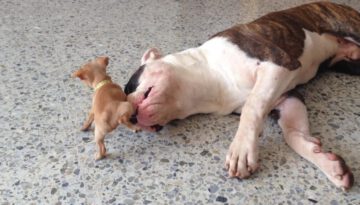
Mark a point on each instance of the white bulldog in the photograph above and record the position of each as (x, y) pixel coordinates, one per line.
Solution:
(252, 69)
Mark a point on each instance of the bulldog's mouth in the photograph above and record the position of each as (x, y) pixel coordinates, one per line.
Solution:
(133, 118)
(157, 128)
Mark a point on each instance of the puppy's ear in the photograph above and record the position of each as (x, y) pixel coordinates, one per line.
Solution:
(150, 55)
(79, 74)
(103, 61)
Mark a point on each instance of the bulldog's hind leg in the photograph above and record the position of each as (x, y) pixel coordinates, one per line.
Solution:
(293, 120)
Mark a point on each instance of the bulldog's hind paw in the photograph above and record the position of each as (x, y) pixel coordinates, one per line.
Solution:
(336, 170)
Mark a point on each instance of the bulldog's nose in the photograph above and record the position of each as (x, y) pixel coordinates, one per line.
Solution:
(133, 118)
(157, 128)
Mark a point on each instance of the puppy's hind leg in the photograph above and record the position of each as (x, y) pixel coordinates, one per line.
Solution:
(99, 139)
(294, 123)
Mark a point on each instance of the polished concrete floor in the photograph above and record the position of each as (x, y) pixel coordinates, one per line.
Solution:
(46, 159)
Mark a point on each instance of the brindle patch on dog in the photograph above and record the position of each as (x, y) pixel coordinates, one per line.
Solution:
(279, 36)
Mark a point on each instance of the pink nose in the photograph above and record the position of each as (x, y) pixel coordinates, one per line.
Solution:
(143, 118)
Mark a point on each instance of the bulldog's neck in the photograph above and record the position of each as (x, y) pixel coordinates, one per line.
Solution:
(205, 88)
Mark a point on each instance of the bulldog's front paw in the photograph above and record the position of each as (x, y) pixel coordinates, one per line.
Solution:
(242, 158)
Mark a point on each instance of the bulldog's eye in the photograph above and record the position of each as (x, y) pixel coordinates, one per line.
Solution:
(147, 92)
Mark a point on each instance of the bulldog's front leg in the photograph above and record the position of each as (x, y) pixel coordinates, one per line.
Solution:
(271, 82)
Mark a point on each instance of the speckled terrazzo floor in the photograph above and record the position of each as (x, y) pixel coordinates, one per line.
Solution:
(45, 159)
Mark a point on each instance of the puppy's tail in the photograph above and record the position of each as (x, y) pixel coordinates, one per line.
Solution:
(347, 67)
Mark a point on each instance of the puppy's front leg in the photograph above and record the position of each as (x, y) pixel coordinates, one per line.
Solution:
(271, 82)
(125, 121)
(88, 121)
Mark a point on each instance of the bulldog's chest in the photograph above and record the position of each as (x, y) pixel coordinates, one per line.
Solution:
(235, 71)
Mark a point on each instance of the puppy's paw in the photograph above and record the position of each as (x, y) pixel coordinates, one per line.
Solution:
(136, 129)
(242, 158)
(85, 127)
(99, 156)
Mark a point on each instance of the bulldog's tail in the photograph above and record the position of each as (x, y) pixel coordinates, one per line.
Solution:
(337, 19)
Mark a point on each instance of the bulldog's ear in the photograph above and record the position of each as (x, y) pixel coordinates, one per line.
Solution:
(150, 55)
(103, 61)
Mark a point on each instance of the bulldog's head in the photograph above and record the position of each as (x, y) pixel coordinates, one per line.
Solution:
(153, 90)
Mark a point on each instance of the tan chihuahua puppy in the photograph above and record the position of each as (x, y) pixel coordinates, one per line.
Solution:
(109, 105)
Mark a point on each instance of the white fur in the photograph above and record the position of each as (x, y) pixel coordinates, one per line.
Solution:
(235, 67)
(226, 71)
(317, 49)
(219, 77)
(230, 74)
